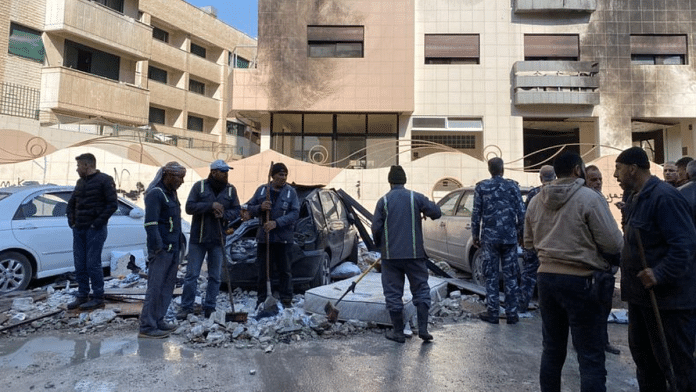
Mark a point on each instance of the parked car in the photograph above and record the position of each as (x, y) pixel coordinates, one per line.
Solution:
(324, 237)
(36, 241)
(449, 238)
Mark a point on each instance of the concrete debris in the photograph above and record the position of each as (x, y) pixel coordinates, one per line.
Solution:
(23, 304)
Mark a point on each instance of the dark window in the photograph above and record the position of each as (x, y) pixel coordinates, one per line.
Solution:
(157, 74)
(236, 129)
(551, 47)
(658, 49)
(196, 87)
(160, 34)
(455, 141)
(451, 49)
(26, 42)
(242, 62)
(157, 115)
(194, 123)
(197, 50)
(335, 41)
(90, 60)
(116, 5)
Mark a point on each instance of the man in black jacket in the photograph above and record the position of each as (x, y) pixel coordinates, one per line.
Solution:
(91, 205)
(212, 202)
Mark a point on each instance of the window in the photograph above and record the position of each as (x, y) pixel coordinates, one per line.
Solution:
(196, 87)
(26, 42)
(242, 62)
(157, 74)
(235, 129)
(335, 41)
(454, 141)
(538, 47)
(452, 49)
(448, 203)
(157, 115)
(160, 34)
(197, 50)
(116, 5)
(90, 60)
(466, 204)
(194, 123)
(658, 49)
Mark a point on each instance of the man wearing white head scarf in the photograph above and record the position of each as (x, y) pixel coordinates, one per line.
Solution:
(164, 237)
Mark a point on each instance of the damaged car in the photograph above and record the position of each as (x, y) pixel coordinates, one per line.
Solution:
(36, 241)
(325, 236)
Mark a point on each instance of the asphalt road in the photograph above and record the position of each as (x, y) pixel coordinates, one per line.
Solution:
(469, 356)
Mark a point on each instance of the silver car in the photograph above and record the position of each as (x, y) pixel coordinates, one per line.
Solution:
(449, 238)
(36, 241)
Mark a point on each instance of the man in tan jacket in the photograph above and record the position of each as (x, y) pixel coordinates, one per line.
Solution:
(573, 232)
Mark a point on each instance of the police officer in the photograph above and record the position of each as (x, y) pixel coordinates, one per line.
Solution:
(496, 225)
(396, 228)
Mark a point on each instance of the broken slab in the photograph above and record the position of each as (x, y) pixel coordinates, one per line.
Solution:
(367, 302)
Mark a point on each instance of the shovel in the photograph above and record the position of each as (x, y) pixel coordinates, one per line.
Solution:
(239, 317)
(270, 304)
(331, 311)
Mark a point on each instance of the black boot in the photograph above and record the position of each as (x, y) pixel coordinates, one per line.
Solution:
(422, 312)
(396, 334)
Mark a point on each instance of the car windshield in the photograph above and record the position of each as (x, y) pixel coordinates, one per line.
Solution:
(4, 195)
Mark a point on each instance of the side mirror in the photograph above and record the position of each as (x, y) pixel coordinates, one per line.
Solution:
(137, 213)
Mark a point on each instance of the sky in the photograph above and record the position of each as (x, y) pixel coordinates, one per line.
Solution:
(241, 14)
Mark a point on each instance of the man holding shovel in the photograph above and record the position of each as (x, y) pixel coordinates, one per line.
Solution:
(212, 201)
(278, 207)
(658, 277)
(397, 231)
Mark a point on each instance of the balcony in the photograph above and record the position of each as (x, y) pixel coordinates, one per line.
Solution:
(205, 69)
(200, 104)
(69, 90)
(544, 6)
(164, 53)
(165, 95)
(85, 20)
(556, 83)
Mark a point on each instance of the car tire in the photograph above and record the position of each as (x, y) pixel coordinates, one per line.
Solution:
(477, 275)
(354, 252)
(15, 272)
(323, 275)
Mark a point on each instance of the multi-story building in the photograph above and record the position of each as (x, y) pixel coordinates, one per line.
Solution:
(160, 65)
(362, 84)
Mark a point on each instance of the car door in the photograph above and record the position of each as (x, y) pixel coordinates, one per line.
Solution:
(335, 227)
(459, 231)
(41, 225)
(435, 231)
(349, 232)
(126, 231)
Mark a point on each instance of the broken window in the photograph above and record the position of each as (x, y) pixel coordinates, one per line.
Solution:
(335, 41)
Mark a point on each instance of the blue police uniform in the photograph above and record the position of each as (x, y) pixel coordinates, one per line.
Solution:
(498, 221)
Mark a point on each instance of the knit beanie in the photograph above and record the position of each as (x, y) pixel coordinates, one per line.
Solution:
(397, 175)
(634, 156)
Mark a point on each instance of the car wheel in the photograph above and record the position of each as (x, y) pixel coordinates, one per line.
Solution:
(477, 275)
(323, 275)
(15, 272)
(354, 252)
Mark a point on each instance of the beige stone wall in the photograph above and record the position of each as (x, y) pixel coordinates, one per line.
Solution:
(287, 79)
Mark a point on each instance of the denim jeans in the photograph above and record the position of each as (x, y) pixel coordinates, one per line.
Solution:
(644, 341)
(87, 250)
(193, 269)
(567, 304)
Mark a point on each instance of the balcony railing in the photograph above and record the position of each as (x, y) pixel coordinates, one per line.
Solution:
(556, 83)
(19, 101)
(543, 6)
(89, 20)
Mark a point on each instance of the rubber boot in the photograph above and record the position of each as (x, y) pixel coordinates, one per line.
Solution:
(422, 312)
(396, 334)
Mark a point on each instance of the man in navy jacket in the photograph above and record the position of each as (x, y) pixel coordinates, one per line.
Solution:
(397, 231)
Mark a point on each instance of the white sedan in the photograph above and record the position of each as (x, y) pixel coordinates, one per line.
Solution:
(36, 241)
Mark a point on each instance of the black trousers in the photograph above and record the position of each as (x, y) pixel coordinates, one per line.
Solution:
(280, 267)
(394, 272)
